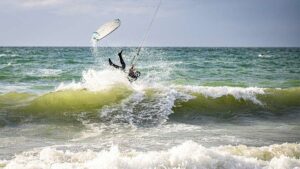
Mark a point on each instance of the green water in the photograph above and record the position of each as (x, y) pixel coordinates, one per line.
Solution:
(67, 108)
(44, 68)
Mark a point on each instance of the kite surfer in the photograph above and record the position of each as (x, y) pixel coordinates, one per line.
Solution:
(133, 73)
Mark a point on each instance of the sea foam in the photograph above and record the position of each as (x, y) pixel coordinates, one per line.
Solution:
(99, 80)
(248, 93)
(96, 80)
(187, 155)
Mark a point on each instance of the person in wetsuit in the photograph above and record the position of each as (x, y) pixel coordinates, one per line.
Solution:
(133, 73)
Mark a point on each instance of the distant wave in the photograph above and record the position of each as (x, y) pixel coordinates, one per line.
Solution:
(43, 73)
(264, 56)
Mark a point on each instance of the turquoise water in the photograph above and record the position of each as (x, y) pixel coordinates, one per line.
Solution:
(65, 107)
(277, 67)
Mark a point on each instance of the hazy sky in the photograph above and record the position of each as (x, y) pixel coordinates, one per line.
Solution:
(178, 23)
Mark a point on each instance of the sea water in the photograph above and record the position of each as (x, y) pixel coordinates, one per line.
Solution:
(67, 108)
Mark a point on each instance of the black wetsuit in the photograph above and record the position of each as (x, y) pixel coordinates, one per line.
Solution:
(121, 61)
(133, 74)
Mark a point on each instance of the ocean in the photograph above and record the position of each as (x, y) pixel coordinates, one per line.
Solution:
(65, 107)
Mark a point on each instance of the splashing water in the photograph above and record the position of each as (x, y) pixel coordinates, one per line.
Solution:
(191, 108)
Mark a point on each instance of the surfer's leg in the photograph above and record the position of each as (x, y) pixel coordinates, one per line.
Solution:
(122, 61)
(112, 64)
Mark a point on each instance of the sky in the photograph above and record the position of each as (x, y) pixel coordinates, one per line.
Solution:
(197, 23)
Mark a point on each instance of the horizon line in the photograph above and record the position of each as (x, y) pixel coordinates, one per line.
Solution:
(65, 46)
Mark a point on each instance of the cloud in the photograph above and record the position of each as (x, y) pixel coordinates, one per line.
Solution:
(127, 7)
(74, 7)
(40, 3)
(60, 7)
(24, 4)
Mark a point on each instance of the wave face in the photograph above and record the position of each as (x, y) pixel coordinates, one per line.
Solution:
(231, 101)
(190, 108)
(239, 157)
(138, 105)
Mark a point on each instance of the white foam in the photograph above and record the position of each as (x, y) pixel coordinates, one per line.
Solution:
(2, 54)
(248, 93)
(44, 72)
(104, 79)
(186, 155)
(50, 72)
(264, 56)
(265, 152)
(70, 86)
(97, 80)
(5, 65)
(142, 108)
(21, 87)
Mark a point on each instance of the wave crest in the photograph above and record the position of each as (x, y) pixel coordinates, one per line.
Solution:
(109, 93)
(97, 80)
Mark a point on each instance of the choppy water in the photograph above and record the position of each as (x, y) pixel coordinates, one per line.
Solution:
(191, 108)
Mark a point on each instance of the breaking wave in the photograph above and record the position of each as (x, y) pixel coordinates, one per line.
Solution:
(187, 155)
(112, 98)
